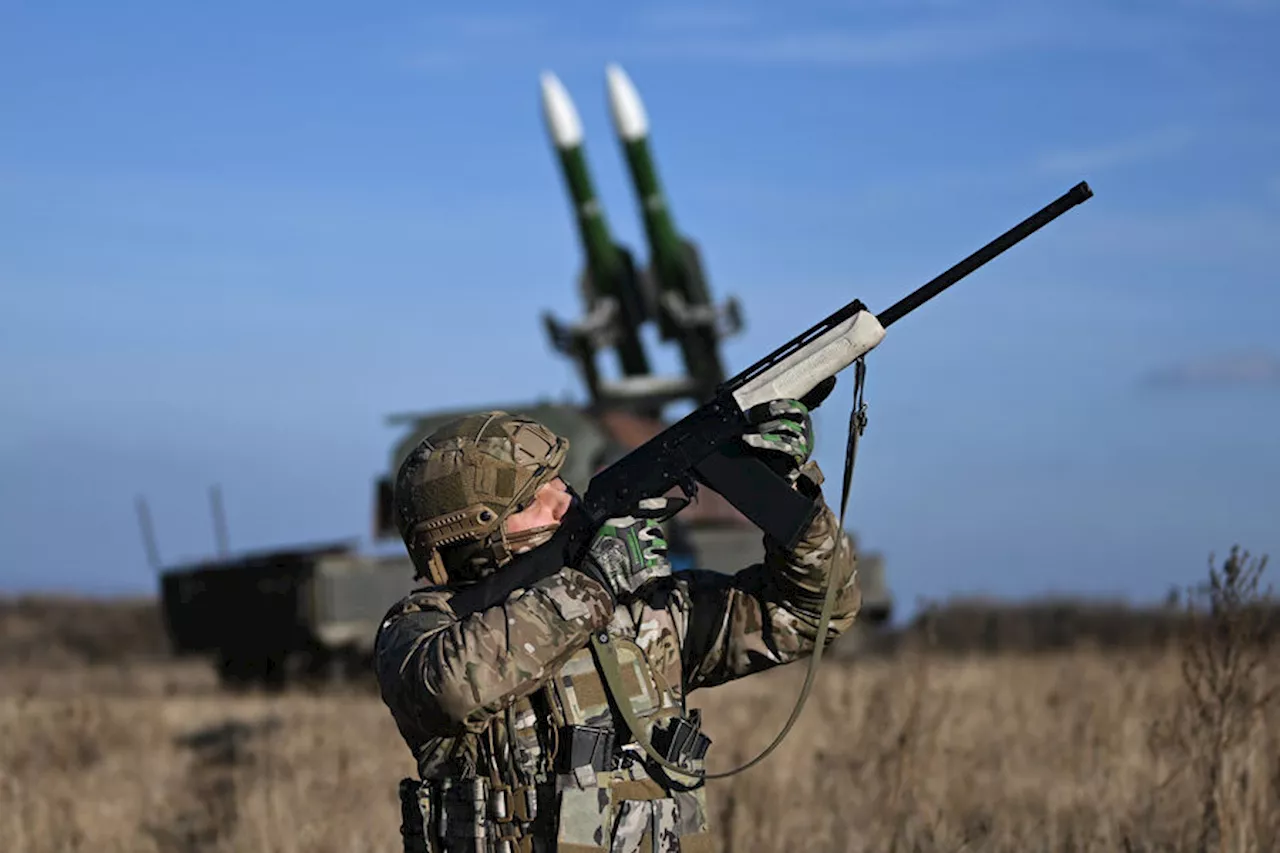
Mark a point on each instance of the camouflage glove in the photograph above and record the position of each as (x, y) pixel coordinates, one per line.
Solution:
(632, 550)
(784, 430)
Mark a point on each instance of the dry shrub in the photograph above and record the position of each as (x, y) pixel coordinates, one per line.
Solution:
(965, 626)
(57, 630)
(1222, 741)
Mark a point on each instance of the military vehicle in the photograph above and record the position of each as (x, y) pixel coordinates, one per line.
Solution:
(272, 617)
(285, 615)
(311, 612)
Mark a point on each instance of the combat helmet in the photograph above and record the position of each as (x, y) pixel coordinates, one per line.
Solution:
(459, 484)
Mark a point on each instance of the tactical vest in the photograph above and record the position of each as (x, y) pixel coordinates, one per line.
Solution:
(559, 772)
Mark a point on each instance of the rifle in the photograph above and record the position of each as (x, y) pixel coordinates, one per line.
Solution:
(703, 446)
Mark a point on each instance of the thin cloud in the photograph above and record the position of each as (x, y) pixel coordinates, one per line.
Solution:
(499, 27)
(686, 19)
(908, 45)
(462, 40)
(1165, 142)
(723, 34)
(1250, 369)
(440, 60)
(925, 32)
(930, 32)
(1227, 6)
(1223, 235)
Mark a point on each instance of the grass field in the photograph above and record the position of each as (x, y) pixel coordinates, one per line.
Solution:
(1175, 747)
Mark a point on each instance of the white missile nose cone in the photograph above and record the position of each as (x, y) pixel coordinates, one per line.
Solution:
(624, 103)
(562, 118)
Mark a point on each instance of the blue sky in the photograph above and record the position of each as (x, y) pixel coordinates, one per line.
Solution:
(233, 238)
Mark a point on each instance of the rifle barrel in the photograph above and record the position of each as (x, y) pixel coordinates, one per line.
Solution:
(913, 300)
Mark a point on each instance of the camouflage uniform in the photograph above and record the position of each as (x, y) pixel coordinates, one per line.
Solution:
(509, 720)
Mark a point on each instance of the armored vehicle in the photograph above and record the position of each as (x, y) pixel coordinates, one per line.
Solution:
(311, 612)
(286, 615)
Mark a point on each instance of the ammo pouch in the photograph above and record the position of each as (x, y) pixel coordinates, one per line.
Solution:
(415, 815)
(584, 752)
(680, 739)
(588, 750)
(466, 814)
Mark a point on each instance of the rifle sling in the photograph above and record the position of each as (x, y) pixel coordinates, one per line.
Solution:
(607, 659)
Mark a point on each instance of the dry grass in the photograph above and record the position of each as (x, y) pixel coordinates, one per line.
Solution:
(1174, 748)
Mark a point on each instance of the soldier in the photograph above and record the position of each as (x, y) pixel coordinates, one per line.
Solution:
(519, 742)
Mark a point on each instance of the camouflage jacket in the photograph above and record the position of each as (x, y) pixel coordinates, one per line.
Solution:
(505, 711)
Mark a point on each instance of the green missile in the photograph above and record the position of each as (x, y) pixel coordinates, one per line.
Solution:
(685, 311)
(610, 270)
